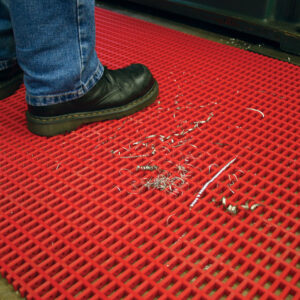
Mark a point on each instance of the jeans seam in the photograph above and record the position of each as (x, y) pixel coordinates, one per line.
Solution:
(92, 80)
(68, 96)
(79, 39)
(79, 91)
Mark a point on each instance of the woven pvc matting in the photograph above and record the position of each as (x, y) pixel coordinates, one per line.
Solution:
(83, 217)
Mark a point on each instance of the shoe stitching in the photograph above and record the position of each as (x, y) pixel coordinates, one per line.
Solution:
(98, 113)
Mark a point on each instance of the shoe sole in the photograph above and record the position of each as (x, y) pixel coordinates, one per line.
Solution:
(51, 126)
(10, 87)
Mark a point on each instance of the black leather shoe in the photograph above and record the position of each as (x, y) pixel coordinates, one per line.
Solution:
(118, 93)
(10, 81)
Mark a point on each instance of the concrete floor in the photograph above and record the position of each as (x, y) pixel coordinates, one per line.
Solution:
(7, 291)
(182, 24)
(200, 29)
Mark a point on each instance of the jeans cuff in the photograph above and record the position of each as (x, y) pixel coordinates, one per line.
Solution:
(67, 96)
(8, 63)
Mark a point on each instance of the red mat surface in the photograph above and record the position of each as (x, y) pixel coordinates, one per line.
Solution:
(83, 217)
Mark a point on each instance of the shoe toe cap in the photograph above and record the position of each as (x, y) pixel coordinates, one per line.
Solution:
(142, 77)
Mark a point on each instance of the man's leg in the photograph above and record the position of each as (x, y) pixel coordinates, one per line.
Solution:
(66, 85)
(10, 74)
(7, 42)
(55, 43)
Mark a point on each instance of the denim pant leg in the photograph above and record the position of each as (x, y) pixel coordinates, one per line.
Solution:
(55, 46)
(7, 42)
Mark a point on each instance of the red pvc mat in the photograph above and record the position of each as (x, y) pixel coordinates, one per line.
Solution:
(104, 212)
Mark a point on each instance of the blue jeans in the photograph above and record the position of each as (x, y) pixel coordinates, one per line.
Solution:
(54, 43)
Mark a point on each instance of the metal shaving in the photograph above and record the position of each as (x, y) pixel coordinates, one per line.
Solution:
(235, 177)
(147, 137)
(205, 121)
(179, 144)
(179, 178)
(147, 168)
(150, 136)
(256, 111)
(153, 150)
(221, 144)
(114, 151)
(135, 156)
(181, 169)
(223, 201)
(232, 209)
(180, 238)
(230, 189)
(255, 206)
(210, 166)
(169, 217)
(120, 171)
(210, 181)
(163, 138)
(245, 206)
(252, 207)
(162, 182)
(196, 125)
